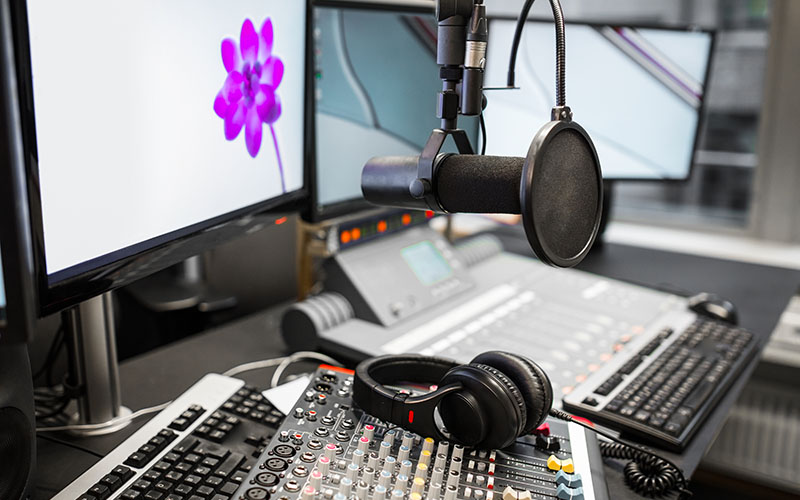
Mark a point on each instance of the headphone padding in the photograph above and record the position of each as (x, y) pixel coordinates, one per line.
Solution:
(530, 379)
(519, 402)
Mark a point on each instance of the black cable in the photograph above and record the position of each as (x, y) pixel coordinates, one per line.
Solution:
(71, 445)
(648, 473)
(561, 49)
(483, 133)
(52, 351)
(512, 62)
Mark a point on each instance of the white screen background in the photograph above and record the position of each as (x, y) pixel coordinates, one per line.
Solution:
(640, 129)
(129, 145)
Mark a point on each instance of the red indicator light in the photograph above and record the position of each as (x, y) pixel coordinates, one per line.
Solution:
(356, 233)
(381, 226)
(410, 416)
(406, 219)
(280, 220)
(428, 213)
(345, 237)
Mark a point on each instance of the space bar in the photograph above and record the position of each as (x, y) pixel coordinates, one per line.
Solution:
(449, 320)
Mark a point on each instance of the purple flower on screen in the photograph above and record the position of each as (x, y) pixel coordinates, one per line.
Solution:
(247, 98)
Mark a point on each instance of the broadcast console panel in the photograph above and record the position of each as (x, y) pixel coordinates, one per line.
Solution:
(329, 449)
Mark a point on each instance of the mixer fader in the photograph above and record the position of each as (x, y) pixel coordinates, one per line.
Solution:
(328, 449)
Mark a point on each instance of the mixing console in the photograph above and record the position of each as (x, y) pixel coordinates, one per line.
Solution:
(329, 449)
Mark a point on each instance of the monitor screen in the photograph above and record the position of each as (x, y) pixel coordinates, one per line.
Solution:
(154, 120)
(376, 81)
(637, 91)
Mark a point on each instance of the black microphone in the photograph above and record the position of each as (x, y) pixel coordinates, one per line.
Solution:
(557, 188)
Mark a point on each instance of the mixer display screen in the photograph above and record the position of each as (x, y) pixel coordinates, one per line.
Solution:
(428, 264)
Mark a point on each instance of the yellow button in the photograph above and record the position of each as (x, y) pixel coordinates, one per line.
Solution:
(553, 463)
(509, 493)
(567, 466)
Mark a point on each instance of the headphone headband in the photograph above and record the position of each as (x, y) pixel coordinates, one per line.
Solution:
(416, 413)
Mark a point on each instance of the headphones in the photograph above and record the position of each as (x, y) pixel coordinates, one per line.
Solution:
(487, 403)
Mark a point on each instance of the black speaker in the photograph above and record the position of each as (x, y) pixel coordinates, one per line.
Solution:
(17, 424)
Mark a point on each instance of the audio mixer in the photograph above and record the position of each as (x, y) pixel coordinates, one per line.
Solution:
(329, 449)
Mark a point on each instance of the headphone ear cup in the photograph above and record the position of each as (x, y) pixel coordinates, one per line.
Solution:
(532, 382)
(493, 399)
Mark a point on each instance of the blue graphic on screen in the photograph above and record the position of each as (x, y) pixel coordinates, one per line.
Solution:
(427, 263)
(637, 91)
(376, 84)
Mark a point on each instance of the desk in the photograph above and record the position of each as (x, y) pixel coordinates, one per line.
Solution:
(761, 292)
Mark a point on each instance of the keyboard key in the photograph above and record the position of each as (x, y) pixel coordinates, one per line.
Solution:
(185, 445)
(229, 488)
(100, 491)
(142, 484)
(204, 491)
(229, 465)
(183, 489)
(137, 459)
(123, 473)
(113, 482)
(154, 495)
(131, 494)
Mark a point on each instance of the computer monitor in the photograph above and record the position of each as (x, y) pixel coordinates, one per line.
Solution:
(155, 130)
(376, 81)
(638, 91)
(17, 303)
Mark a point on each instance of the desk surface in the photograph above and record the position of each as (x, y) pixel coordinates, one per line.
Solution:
(760, 292)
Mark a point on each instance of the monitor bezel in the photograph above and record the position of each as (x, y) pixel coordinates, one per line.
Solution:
(16, 251)
(86, 280)
(314, 212)
(701, 111)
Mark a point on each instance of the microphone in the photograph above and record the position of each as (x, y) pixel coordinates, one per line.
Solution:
(557, 189)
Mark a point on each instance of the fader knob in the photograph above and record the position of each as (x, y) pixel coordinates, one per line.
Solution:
(352, 472)
(345, 486)
(363, 444)
(379, 493)
(425, 457)
(358, 457)
(385, 479)
(384, 450)
(389, 464)
(438, 475)
(408, 440)
(315, 480)
(369, 432)
(324, 464)
(330, 450)
(418, 485)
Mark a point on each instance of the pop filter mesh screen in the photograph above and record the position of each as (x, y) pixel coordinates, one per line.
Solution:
(566, 191)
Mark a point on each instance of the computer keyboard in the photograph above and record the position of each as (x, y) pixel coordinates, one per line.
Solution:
(661, 389)
(201, 447)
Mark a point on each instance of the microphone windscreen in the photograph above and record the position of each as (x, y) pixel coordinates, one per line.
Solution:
(562, 194)
(479, 184)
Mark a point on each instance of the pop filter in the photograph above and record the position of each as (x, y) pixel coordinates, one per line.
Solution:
(561, 193)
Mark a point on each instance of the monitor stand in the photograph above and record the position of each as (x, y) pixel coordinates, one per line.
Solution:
(93, 367)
